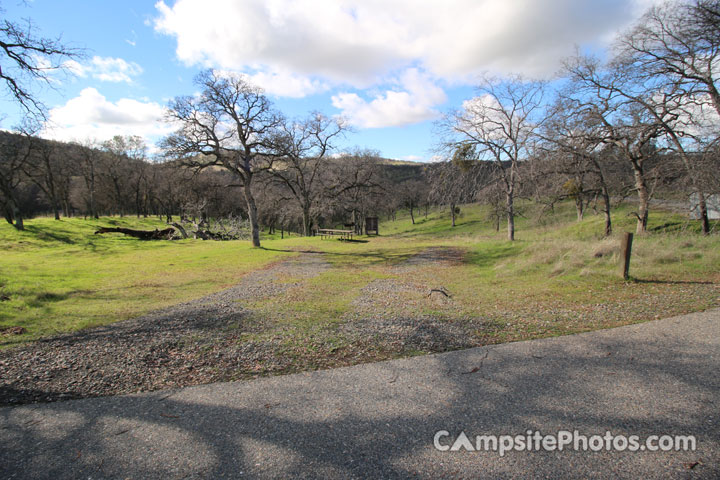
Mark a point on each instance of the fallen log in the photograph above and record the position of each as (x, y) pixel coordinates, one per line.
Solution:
(165, 234)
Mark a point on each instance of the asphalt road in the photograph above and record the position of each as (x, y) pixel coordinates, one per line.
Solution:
(379, 420)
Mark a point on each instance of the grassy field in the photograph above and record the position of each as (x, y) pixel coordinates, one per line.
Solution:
(559, 277)
(59, 277)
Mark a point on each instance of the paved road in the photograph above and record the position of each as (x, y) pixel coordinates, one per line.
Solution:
(379, 420)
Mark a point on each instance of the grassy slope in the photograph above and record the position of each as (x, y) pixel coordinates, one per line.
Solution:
(558, 277)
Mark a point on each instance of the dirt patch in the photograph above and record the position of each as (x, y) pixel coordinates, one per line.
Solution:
(432, 255)
(12, 330)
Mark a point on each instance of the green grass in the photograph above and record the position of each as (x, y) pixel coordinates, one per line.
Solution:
(560, 276)
(59, 277)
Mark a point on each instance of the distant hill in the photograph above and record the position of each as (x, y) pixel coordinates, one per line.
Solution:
(399, 171)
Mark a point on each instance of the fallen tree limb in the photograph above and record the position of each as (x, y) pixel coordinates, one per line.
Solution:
(439, 290)
(165, 234)
(180, 229)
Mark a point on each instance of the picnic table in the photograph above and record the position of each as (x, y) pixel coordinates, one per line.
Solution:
(331, 232)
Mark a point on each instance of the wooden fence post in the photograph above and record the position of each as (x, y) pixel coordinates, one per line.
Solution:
(625, 251)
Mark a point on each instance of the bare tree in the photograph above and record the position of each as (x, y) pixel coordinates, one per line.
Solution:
(453, 183)
(15, 152)
(353, 187)
(498, 125)
(230, 125)
(675, 47)
(117, 169)
(574, 138)
(628, 120)
(302, 152)
(26, 58)
(44, 169)
(679, 41)
(88, 160)
(412, 194)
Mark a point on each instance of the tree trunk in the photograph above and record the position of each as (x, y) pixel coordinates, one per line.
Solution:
(252, 213)
(606, 211)
(702, 205)
(306, 220)
(412, 216)
(643, 202)
(690, 167)
(93, 208)
(605, 194)
(156, 234)
(510, 216)
(715, 96)
(118, 198)
(452, 213)
(19, 225)
(579, 204)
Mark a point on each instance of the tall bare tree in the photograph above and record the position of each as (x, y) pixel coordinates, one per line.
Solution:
(231, 125)
(89, 158)
(412, 194)
(574, 138)
(353, 186)
(499, 125)
(124, 154)
(453, 183)
(302, 150)
(625, 113)
(675, 47)
(680, 41)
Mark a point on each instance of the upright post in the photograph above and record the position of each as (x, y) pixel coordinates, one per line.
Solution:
(625, 251)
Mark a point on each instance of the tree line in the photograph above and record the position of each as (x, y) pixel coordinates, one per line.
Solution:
(645, 117)
(642, 121)
(118, 177)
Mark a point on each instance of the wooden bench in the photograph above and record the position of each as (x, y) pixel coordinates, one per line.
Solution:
(331, 232)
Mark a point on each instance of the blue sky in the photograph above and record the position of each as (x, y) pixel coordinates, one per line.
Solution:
(391, 68)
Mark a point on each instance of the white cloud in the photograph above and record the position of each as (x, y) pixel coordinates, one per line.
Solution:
(296, 48)
(91, 115)
(132, 42)
(286, 84)
(358, 42)
(108, 69)
(413, 103)
(76, 68)
(105, 69)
